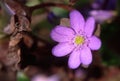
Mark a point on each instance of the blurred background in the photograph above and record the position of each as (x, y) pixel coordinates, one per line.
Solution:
(37, 62)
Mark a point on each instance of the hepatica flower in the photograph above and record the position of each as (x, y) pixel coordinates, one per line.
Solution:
(77, 40)
(102, 15)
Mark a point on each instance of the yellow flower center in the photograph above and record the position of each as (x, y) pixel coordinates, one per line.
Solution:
(79, 40)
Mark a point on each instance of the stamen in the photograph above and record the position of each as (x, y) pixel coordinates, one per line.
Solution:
(79, 40)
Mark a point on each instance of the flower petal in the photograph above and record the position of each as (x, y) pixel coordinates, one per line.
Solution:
(76, 20)
(64, 30)
(74, 59)
(95, 43)
(86, 56)
(58, 35)
(62, 49)
(89, 26)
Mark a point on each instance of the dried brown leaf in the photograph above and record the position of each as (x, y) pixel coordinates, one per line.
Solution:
(28, 40)
(9, 29)
(65, 22)
(98, 30)
(15, 40)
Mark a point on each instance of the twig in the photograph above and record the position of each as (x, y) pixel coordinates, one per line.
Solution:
(64, 6)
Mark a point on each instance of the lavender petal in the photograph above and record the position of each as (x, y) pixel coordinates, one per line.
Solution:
(86, 56)
(74, 59)
(62, 49)
(95, 43)
(64, 30)
(77, 21)
(61, 34)
(89, 26)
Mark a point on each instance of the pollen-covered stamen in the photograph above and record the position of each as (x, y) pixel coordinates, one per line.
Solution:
(79, 40)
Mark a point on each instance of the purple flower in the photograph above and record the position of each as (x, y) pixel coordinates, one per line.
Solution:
(77, 40)
(102, 15)
(45, 78)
